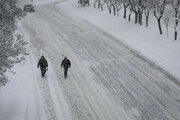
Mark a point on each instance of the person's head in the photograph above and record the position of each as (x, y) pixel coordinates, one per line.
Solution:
(65, 57)
(42, 57)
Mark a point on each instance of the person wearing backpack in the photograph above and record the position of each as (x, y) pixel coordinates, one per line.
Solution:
(43, 65)
(65, 64)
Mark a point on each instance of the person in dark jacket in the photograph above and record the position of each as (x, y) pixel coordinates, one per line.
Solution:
(65, 64)
(43, 65)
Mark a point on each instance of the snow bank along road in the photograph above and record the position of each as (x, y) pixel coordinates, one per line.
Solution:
(107, 81)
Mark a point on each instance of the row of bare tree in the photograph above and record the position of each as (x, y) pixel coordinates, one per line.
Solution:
(12, 47)
(166, 9)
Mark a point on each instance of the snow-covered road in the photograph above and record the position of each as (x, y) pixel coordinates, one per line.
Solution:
(107, 80)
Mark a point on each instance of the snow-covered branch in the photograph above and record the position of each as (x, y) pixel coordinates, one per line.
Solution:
(12, 47)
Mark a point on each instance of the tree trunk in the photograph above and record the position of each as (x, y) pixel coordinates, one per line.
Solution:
(114, 10)
(125, 9)
(109, 10)
(159, 25)
(101, 7)
(124, 13)
(129, 18)
(147, 18)
(176, 24)
(175, 29)
(175, 35)
(136, 17)
(94, 5)
(140, 17)
(147, 21)
(167, 30)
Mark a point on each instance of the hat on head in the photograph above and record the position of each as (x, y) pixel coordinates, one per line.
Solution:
(42, 57)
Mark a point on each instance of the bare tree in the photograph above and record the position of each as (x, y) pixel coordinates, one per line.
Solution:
(166, 21)
(147, 8)
(113, 3)
(116, 5)
(109, 5)
(125, 6)
(131, 10)
(137, 7)
(159, 7)
(96, 1)
(100, 4)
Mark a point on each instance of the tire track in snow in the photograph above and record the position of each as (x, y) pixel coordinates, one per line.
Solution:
(47, 99)
(43, 82)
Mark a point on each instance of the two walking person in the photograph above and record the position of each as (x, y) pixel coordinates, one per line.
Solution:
(44, 65)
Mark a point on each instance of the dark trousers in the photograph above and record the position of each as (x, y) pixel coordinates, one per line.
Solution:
(65, 72)
(43, 71)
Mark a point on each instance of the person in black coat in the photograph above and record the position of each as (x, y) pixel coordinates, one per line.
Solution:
(43, 65)
(65, 64)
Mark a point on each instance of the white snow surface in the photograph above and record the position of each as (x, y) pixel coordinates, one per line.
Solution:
(107, 81)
